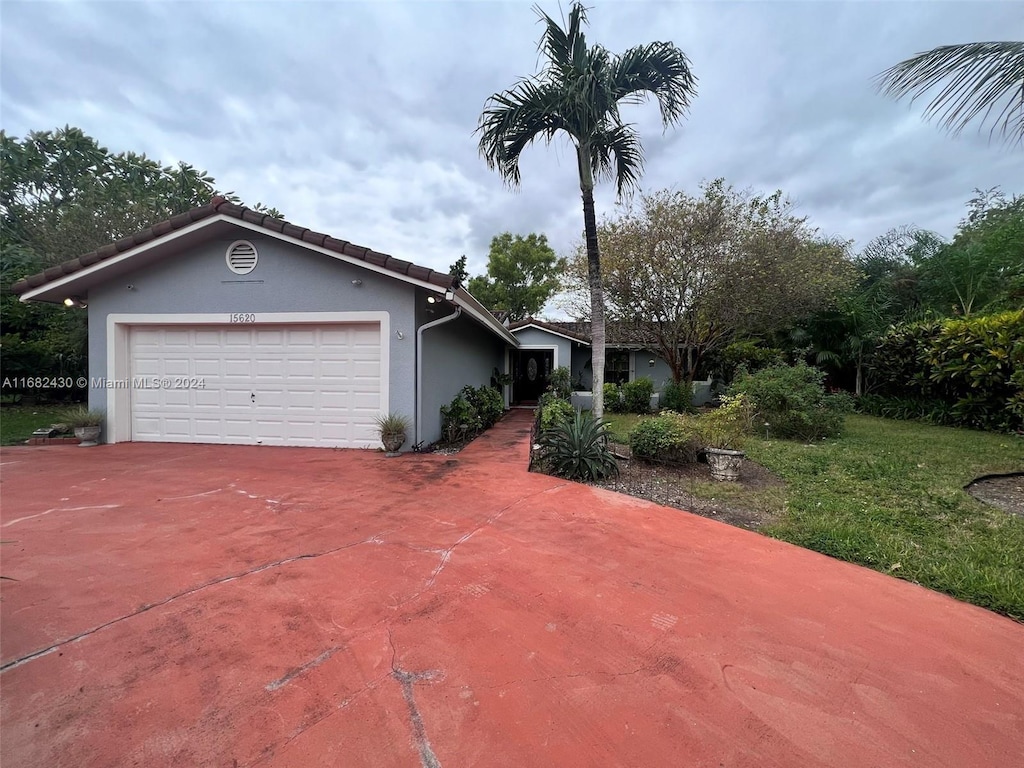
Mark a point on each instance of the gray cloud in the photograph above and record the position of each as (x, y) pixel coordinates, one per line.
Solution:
(358, 118)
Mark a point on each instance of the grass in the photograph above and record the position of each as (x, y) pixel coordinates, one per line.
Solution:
(18, 422)
(621, 424)
(890, 495)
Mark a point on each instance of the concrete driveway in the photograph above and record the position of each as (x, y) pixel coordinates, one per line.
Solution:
(249, 606)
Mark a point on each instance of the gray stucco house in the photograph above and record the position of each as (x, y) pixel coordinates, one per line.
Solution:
(552, 344)
(224, 325)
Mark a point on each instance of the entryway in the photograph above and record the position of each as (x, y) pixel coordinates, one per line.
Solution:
(530, 371)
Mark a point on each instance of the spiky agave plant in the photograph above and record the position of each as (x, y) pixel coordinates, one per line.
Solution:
(576, 448)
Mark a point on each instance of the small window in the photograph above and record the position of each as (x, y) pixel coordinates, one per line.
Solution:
(242, 257)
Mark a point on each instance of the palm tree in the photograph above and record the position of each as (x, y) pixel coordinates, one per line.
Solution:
(984, 79)
(578, 93)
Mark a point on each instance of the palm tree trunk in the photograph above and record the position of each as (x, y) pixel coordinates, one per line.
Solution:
(594, 278)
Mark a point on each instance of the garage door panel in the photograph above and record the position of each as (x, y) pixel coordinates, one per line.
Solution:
(279, 385)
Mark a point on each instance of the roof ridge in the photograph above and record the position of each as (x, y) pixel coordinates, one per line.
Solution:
(220, 205)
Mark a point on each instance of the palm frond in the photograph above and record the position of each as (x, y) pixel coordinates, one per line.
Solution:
(563, 47)
(512, 120)
(981, 79)
(658, 69)
(618, 153)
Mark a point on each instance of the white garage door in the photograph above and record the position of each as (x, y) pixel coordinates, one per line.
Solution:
(275, 385)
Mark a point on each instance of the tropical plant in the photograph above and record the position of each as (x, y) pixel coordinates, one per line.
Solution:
(460, 420)
(981, 79)
(577, 448)
(578, 93)
(392, 424)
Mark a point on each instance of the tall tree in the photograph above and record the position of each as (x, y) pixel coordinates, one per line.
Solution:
(689, 274)
(980, 79)
(522, 274)
(62, 194)
(578, 93)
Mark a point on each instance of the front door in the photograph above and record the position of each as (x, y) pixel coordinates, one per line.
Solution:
(531, 374)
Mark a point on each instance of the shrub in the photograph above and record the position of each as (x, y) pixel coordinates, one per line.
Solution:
(743, 356)
(488, 403)
(560, 383)
(966, 372)
(727, 425)
(678, 397)
(81, 416)
(636, 395)
(613, 398)
(792, 401)
(553, 410)
(667, 437)
(577, 448)
(460, 420)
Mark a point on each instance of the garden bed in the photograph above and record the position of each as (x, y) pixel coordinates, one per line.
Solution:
(752, 503)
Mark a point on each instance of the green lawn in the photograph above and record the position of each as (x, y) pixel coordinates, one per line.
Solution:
(889, 495)
(18, 422)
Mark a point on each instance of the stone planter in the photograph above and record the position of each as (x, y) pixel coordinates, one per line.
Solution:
(393, 442)
(87, 436)
(724, 463)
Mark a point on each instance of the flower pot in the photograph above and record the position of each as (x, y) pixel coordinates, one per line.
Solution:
(724, 463)
(393, 442)
(87, 436)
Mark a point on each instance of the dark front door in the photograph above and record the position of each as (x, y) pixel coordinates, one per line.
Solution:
(531, 375)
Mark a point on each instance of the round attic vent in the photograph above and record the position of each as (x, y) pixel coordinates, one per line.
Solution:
(242, 257)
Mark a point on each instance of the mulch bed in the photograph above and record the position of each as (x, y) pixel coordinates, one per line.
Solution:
(671, 486)
(1006, 492)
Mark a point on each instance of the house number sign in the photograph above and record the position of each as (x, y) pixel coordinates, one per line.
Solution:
(243, 317)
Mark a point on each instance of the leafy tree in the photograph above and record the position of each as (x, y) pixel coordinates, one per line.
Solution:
(690, 274)
(578, 93)
(983, 268)
(522, 274)
(981, 79)
(62, 194)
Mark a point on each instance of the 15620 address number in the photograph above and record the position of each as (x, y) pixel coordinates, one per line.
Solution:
(243, 317)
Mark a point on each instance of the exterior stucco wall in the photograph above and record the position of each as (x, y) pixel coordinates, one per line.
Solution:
(571, 354)
(455, 354)
(287, 278)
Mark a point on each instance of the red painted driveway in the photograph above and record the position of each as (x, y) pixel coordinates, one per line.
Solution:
(248, 606)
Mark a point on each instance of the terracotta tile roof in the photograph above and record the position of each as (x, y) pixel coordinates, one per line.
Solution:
(219, 206)
(565, 329)
(617, 334)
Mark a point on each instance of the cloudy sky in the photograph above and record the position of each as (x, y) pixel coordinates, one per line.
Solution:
(357, 118)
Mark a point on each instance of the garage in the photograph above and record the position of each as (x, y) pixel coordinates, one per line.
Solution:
(302, 385)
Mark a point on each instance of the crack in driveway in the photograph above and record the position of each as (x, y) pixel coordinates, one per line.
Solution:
(419, 732)
(186, 593)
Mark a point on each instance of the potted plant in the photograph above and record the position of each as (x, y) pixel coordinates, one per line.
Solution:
(723, 433)
(85, 422)
(392, 429)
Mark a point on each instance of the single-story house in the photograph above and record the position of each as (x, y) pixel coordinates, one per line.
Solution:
(552, 344)
(225, 325)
